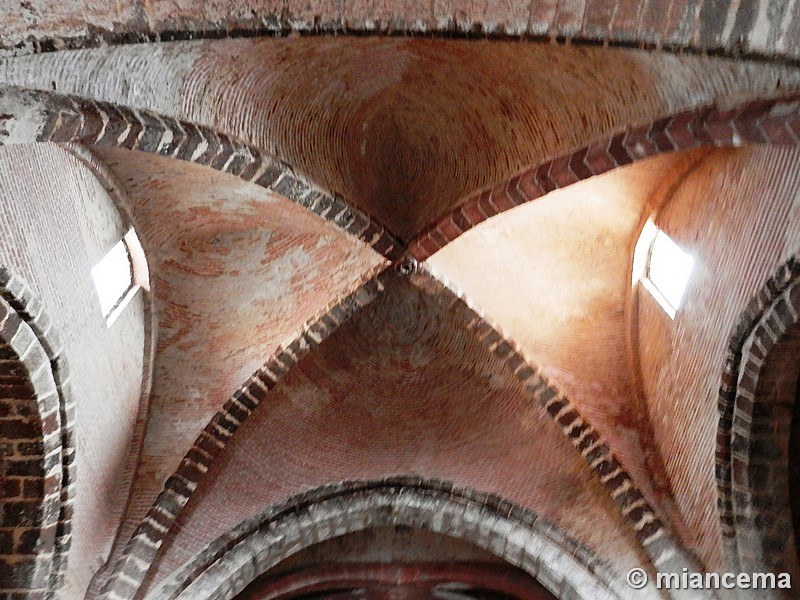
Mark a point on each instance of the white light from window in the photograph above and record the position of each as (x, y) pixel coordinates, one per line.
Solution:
(119, 275)
(113, 277)
(668, 272)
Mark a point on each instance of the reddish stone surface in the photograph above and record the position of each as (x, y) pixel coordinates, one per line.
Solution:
(414, 393)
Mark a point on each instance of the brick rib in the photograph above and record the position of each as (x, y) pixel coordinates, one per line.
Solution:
(769, 315)
(775, 122)
(658, 542)
(141, 550)
(511, 532)
(721, 28)
(28, 116)
(24, 311)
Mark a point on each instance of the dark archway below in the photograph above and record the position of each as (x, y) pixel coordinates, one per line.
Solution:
(794, 468)
(394, 562)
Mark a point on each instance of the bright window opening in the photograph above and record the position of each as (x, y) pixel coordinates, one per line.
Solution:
(668, 272)
(119, 275)
(113, 277)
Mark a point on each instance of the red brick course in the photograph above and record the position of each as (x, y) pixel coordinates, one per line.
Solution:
(36, 446)
(775, 122)
(35, 116)
(756, 399)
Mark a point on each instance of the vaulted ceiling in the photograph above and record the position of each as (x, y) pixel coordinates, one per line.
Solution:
(394, 316)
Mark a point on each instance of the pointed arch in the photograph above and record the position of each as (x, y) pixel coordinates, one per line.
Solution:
(755, 412)
(37, 422)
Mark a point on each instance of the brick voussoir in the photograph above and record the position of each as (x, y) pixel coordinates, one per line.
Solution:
(40, 489)
(749, 459)
(573, 425)
(198, 460)
(776, 122)
(74, 119)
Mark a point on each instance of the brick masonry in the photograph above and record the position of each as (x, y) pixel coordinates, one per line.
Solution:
(519, 536)
(37, 420)
(403, 388)
(141, 550)
(34, 116)
(658, 542)
(775, 122)
(755, 410)
(554, 173)
(405, 129)
(122, 204)
(762, 28)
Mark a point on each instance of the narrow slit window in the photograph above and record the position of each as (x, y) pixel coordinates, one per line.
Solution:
(117, 278)
(668, 271)
(113, 277)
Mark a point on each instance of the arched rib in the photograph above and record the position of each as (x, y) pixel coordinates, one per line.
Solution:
(518, 536)
(28, 116)
(656, 539)
(134, 564)
(723, 28)
(763, 324)
(774, 122)
(23, 319)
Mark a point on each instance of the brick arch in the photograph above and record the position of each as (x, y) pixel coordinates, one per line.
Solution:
(654, 536)
(659, 543)
(759, 29)
(565, 567)
(140, 552)
(28, 116)
(775, 122)
(756, 401)
(36, 423)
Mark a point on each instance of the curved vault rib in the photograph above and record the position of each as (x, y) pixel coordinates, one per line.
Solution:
(682, 27)
(773, 122)
(28, 116)
(403, 388)
(139, 553)
(28, 332)
(236, 271)
(659, 543)
(432, 505)
(763, 325)
(403, 129)
(652, 534)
